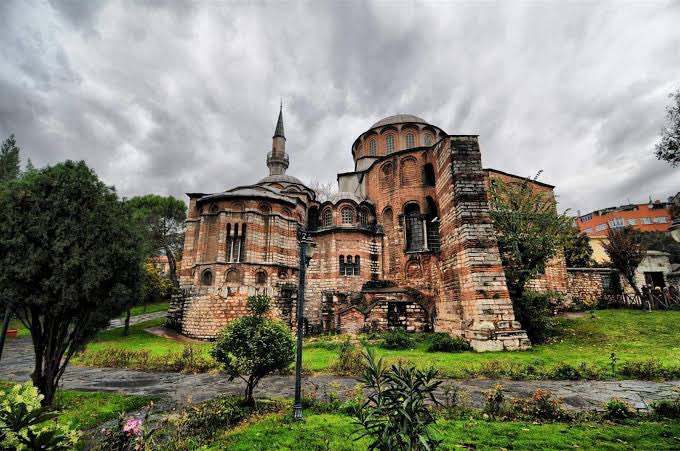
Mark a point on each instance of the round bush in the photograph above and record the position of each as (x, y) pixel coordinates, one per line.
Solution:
(443, 342)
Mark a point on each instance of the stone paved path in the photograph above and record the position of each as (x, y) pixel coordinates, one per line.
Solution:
(120, 322)
(177, 389)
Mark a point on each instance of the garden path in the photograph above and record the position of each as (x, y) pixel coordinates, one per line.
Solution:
(120, 322)
(178, 389)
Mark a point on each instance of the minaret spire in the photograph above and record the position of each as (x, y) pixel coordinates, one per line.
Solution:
(277, 159)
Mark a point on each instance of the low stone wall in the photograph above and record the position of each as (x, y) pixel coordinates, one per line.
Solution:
(588, 286)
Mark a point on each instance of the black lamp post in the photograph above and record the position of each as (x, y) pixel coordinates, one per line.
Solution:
(306, 253)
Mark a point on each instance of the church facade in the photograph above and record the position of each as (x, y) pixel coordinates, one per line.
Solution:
(407, 242)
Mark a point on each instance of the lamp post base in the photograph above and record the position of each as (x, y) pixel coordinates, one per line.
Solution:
(297, 412)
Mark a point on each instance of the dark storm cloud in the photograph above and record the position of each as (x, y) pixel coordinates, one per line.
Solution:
(173, 96)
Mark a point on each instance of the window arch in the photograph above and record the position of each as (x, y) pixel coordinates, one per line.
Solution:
(261, 277)
(363, 216)
(427, 139)
(237, 206)
(389, 144)
(372, 148)
(214, 209)
(386, 176)
(265, 209)
(327, 217)
(207, 278)
(410, 141)
(347, 215)
(286, 212)
(408, 171)
(414, 228)
(233, 276)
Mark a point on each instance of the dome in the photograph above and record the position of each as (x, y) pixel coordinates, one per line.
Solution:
(399, 119)
(337, 197)
(282, 178)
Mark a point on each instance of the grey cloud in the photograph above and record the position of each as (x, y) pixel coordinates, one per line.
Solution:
(171, 97)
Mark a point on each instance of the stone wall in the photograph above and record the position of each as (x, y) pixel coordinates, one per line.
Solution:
(588, 286)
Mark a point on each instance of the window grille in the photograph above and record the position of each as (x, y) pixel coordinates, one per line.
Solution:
(389, 142)
(428, 139)
(372, 148)
(347, 215)
(327, 217)
(410, 141)
(363, 217)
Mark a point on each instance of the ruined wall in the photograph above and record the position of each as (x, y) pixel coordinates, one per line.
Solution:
(587, 286)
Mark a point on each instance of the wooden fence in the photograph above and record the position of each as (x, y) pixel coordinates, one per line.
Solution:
(664, 299)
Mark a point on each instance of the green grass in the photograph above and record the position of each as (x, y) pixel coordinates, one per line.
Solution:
(88, 409)
(632, 335)
(151, 308)
(330, 431)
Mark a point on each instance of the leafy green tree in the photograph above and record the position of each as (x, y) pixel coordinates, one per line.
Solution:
(577, 250)
(162, 219)
(9, 160)
(396, 415)
(252, 347)
(662, 241)
(626, 250)
(529, 230)
(668, 147)
(70, 260)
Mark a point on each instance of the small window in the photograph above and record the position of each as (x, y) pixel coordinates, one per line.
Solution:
(342, 265)
(600, 227)
(207, 278)
(428, 175)
(363, 217)
(661, 219)
(645, 221)
(410, 141)
(428, 139)
(286, 212)
(632, 222)
(356, 265)
(261, 278)
(347, 215)
(389, 144)
(327, 217)
(372, 148)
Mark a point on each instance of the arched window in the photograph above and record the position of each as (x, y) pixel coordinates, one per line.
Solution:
(233, 276)
(410, 141)
(432, 225)
(427, 138)
(372, 148)
(261, 278)
(214, 209)
(237, 206)
(266, 223)
(414, 228)
(327, 217)
(341, 265)
(236, 243)
(347, 214)
(356, 265)
(363, 216)
(386, 176)
(286, 212)
(409, 172)
(428, 175)
(207, 278)
(390, 234)
(389, 144)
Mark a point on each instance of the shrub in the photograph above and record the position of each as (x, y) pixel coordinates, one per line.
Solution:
(643, 369)
(259, 304)
(252, 347)
(456, 401)
(189, 360)
(395, 415)
(129, 434)
(397, 339)
(541, 406)
(443, 342)
(667, 408)
(534, 311)
(349, 360)
(566, 371)
(493, 401)
(617, 409)
(26, 425)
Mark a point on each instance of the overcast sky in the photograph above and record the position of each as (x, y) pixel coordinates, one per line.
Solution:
(174, 97)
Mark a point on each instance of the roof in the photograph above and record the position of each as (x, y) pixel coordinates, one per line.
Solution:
(279, 124)
(337, 197)
(547, 185)
(281, 178)
(399, 119)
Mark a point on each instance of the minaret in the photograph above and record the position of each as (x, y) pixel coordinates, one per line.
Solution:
(277, 159)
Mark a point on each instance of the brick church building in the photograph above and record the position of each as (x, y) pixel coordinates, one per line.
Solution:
(407, 242)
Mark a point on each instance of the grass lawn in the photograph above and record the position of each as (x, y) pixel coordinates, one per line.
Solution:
(89, 409)
(150, 308)
(631, 334)
(333, 432)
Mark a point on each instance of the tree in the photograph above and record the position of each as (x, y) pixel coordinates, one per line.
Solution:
(323, 191)
(668, 147)
(396, 414)
(529, 230)
(162, 219)
(577, 250)
(626, 250)
(252, 347)
(9, 160)
(662, 241)
(70, 260)
(154, 288)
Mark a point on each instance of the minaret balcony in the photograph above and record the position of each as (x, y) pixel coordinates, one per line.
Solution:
(278, 157)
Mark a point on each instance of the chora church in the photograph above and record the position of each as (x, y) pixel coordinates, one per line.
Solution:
(407, 242)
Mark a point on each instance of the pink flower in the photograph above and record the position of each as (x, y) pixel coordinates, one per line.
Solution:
(131, 426)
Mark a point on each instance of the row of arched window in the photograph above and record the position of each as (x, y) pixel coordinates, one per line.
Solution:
(232, 276)
(409, 142)
(236, 243)
(349, 266)
(409, 174)
(347, 216)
